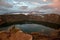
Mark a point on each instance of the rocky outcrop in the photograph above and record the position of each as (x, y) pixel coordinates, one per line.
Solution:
(49, 20)
(53, 35)
(14, 34)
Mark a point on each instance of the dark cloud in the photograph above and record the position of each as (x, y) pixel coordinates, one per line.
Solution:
(24, 7)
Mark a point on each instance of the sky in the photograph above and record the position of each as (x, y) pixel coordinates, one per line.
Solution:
(7, 6)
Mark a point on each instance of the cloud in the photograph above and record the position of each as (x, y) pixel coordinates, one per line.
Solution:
(56, 4)
(23, 7)
(40, 1)
(5, 4)
(29, 0)
(4, 7)
(56, 1)
(31, 5)
(55, 7)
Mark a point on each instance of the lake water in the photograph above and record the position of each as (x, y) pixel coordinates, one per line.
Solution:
(31, 28)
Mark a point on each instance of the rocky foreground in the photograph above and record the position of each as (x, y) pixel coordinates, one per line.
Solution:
(16, 34)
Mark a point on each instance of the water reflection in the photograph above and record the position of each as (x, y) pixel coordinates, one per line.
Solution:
(34, 28)
(31, 28)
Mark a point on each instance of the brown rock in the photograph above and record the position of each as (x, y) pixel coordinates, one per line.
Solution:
(20, 36)
(14, 34)
(39, 36)
(4, 35)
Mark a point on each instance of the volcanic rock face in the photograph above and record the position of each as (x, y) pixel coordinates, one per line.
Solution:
(14, 34)
(51, 18)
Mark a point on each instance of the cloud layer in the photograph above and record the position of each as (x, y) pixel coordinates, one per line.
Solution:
(29, 5)
(5, 4)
